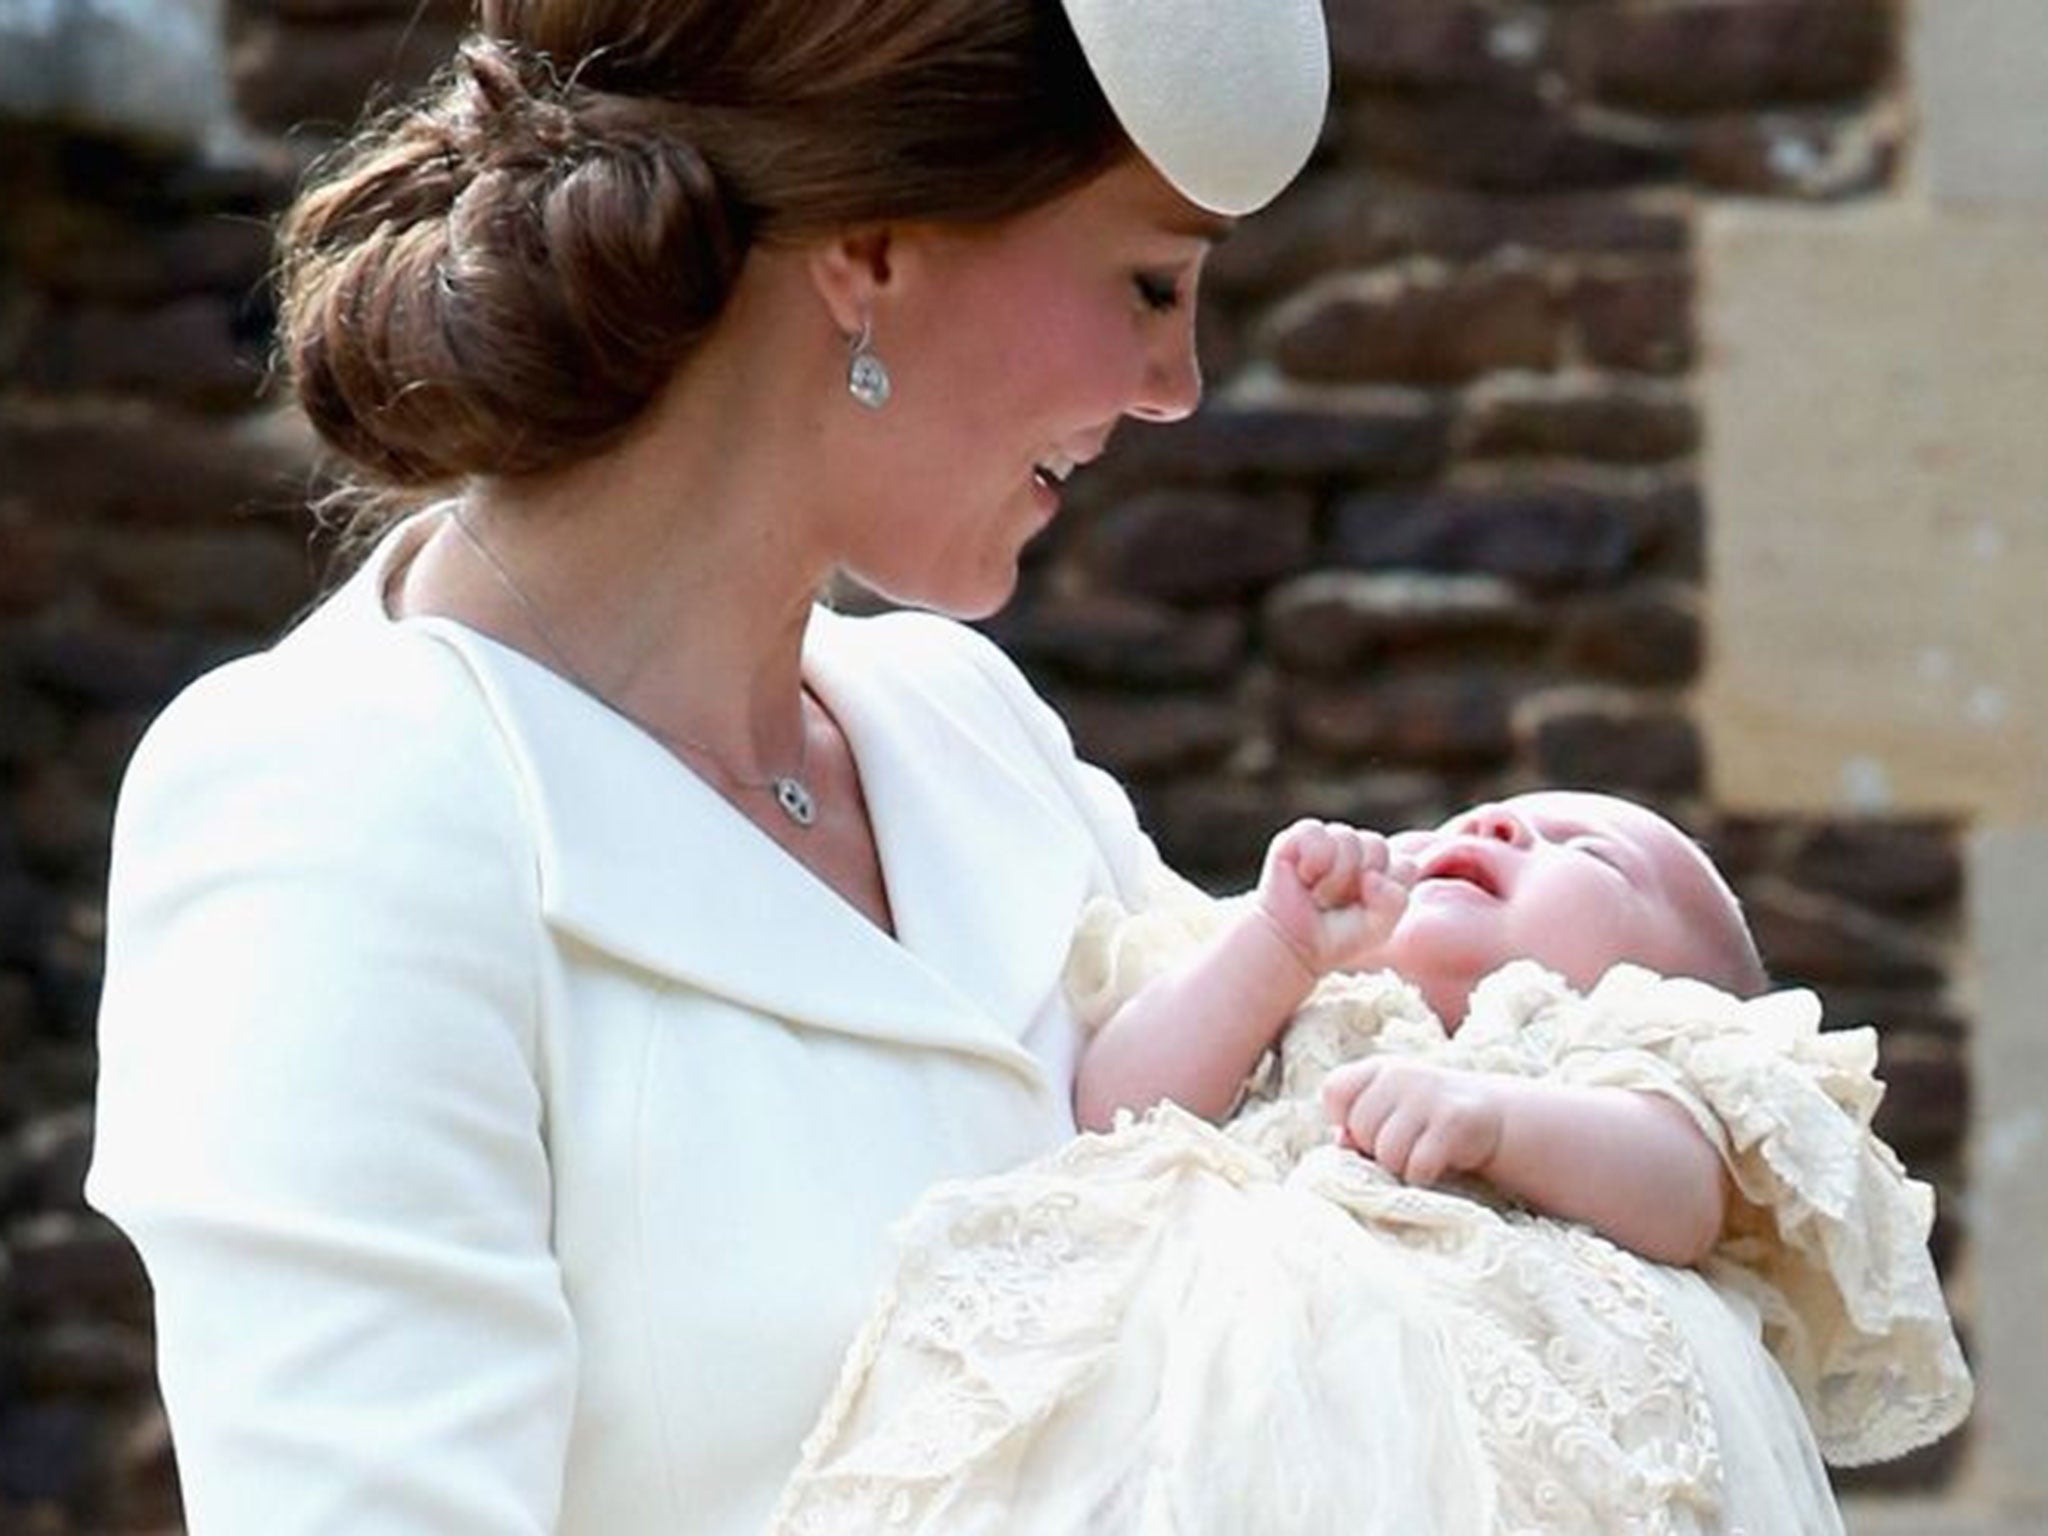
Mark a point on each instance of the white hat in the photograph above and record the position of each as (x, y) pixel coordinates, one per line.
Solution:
(1224, 97)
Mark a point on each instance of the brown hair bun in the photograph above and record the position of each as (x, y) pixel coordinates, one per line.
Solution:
(501, 275)
(498, 278)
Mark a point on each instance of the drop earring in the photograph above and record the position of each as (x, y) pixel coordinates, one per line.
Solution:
(867, 379)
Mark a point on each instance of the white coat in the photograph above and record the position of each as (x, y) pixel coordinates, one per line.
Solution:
(511, 1130)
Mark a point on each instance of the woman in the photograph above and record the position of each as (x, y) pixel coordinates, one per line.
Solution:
(534, 985)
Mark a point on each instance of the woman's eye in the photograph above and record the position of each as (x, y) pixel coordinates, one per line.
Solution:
(1159, 293)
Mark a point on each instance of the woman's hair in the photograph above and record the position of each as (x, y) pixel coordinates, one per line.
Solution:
(498, 276)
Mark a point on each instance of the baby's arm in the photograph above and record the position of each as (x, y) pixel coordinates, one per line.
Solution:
(1633, 1166)
(1326, 896)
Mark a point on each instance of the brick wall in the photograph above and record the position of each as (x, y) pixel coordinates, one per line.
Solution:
(1437, 536)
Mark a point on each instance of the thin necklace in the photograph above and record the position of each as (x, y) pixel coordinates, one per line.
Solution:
(791, 794)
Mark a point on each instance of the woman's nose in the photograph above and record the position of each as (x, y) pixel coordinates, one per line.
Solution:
(1499, 823)
(1172, 386)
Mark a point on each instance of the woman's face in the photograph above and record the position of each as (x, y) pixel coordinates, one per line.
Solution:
(1015, 350)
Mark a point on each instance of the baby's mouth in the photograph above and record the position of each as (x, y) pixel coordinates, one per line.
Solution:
(1464, 865)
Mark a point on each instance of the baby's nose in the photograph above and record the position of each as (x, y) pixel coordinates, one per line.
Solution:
(1499, 823)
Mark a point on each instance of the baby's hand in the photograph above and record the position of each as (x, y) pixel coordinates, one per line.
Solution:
(1417, 1121)
(1332, 893)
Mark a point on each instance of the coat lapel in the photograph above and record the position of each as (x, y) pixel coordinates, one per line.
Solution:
(643, 860)
(986, 864)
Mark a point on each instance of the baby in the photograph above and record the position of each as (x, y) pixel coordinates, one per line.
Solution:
(1577, 881)
(1668, 1269)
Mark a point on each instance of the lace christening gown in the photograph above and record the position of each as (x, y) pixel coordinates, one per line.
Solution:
(1180, 1328)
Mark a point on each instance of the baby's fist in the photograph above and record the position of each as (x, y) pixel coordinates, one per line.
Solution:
(1333, 892)
(1417, 1121)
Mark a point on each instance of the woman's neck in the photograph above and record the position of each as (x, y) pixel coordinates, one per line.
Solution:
(673, 582)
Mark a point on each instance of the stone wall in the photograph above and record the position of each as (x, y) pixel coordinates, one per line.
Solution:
(1439, 534)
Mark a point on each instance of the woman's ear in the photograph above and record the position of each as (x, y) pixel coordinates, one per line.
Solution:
(852, 271)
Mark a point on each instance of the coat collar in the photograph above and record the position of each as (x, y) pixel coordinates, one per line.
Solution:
(641, 859)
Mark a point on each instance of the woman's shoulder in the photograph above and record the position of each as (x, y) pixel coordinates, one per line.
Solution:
(345, 705)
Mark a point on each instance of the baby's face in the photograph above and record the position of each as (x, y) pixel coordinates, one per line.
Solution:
(1577, 882)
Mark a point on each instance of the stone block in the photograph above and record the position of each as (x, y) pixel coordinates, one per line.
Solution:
(113, 666)
(38, 557)
(1637, 317)
(1926, 1108)
(20, 1019)
(150, 69)
(1550, 537)
(1925, 1012)
(48, 1454)
(143, 1468)
(1432, 44)
(1811, 156)
(1364, 439)
(28, 915)
(252, 578)
(101, 742)
(1684, 56)
(47, 1162)
(439, 12)
(1503, 143)
(288, 72)
(84, 463)
(65, 824)
(1149, 737)
(1436, 716)
(1809, 939)
(1979, 79)
(188, 352)
(1580, 416)
(1105, 638)
(69, 1265)
(85, 1358)
(1326, 222)
(1336, 622)
(69, 978)
(1931, 1467)
(1220, 826)
(1908, 865)
(1613, 740)
(1420, 323)
(1332, 222)
(251, 178)
(1379, 799)
(1745, 846)
(1672, 528)
(73, 253)
(1194, 546)
(44, 1073)
(1948, 1236)
(1648, 633)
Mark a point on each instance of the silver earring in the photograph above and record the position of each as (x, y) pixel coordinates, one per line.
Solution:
(867, 379)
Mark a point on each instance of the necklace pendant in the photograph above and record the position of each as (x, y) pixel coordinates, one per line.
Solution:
(796, 801)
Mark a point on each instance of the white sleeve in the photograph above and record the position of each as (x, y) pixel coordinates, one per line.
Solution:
(320, 1113)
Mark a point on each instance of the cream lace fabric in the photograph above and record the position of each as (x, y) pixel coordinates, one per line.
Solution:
(1180, 1328)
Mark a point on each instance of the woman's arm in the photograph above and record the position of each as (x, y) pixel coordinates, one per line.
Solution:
(1326, 895)
(320, 1110)
(1633, 1166)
